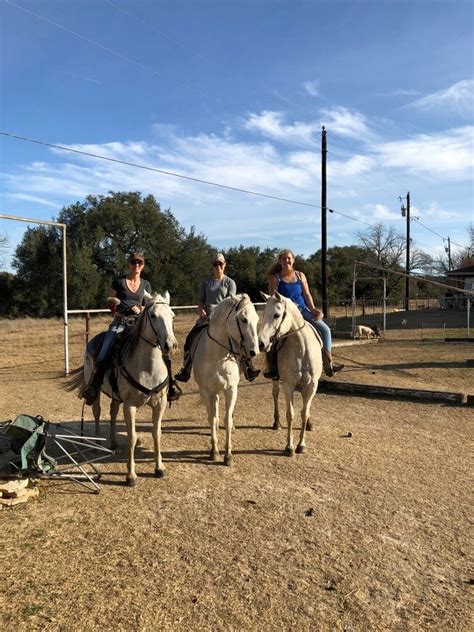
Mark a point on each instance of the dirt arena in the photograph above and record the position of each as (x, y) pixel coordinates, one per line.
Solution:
(368, 532)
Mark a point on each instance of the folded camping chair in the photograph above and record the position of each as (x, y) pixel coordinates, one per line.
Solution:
(25, 441)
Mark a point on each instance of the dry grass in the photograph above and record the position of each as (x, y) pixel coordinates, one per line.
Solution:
(360, 533)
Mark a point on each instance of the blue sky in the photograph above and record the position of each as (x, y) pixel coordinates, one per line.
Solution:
(235, 92)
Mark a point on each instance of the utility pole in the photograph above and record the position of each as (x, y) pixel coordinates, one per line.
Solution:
(448, 251)
(324, 241)
(406, 213)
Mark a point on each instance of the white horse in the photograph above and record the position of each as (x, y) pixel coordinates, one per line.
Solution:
(219, 350)
(299, 360)
(138, 376)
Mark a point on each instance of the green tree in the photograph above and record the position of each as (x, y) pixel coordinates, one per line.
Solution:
(101, 232)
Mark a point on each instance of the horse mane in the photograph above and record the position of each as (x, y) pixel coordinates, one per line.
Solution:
(294, 311)
(222, 311)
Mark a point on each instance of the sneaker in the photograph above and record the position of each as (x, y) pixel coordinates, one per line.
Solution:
(183, 375)
(251, 373)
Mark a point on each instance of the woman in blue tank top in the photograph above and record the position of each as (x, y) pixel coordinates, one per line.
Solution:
(293, 285)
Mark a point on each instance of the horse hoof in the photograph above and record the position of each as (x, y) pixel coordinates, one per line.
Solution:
(160, 473)
(276, 425)
(214, 456)
(131, 482)
(309, 426)
(289, 452)
(300, 449)
(228, 460)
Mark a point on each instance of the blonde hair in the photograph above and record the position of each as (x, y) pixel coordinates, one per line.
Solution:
(275, 268)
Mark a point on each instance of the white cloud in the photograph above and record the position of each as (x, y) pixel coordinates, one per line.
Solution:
(342, 121)
(271, 124)
(459, 98)
(32, 198)
(447, 156)
(312, 87)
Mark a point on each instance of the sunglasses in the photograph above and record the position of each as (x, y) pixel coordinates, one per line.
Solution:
(136, 262)
(217, 264)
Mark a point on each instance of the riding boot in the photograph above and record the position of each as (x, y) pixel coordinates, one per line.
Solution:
(92, 389)
(174, 392)
(272, 367)
(330, 369)
(185, 372)
(249, 371)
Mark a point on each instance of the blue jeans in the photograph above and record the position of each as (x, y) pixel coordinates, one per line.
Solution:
(320, 326)
(115, 327)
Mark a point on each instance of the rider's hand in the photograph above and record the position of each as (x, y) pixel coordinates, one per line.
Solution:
(137, 309)
(318, 313)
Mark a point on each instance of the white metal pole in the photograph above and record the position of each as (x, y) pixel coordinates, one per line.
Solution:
(384, 305)
(66, 337)
(354, 302)
(468, 299)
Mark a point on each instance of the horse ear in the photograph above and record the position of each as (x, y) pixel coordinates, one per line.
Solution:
(265, 296)
(167, 297)
(149, 298)
(277, 295)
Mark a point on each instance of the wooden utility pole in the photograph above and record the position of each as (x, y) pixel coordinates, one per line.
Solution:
(324, 241)
(448, 250)
(407, 266)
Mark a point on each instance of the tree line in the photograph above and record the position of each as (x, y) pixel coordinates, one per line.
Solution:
(103, 229)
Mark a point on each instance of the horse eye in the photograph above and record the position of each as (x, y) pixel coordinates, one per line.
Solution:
(276, 316)
(244, 320)
(152, 315)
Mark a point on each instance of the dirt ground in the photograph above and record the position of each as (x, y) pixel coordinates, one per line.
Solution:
(368, 532)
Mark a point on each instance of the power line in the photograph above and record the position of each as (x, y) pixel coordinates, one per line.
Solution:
(153, 29)
(437, 234)
(177, 175)
(101, 46)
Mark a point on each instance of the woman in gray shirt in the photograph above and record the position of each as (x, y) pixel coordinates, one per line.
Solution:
(212, 291)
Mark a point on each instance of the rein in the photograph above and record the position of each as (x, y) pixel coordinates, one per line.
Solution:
(230, 349)
(276, 337)
(149, 392)
(153, 344)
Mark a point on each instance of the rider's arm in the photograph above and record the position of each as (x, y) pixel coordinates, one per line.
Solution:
(202, 300)
(272, 284)
(308, 298)
(112, 300)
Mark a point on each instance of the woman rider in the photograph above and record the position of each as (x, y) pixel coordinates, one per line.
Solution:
(292, 284)
(212, 291)
(126, 301)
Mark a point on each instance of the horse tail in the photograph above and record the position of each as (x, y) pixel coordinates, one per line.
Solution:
(75, 380)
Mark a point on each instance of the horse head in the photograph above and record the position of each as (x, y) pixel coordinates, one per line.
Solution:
(156, 326)
(237, 316)
(278, 318)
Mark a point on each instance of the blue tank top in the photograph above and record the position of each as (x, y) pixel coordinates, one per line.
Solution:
(293, 291)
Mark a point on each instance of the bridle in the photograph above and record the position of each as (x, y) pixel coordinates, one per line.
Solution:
(157, 335)
(231, 342)
(276, 336)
